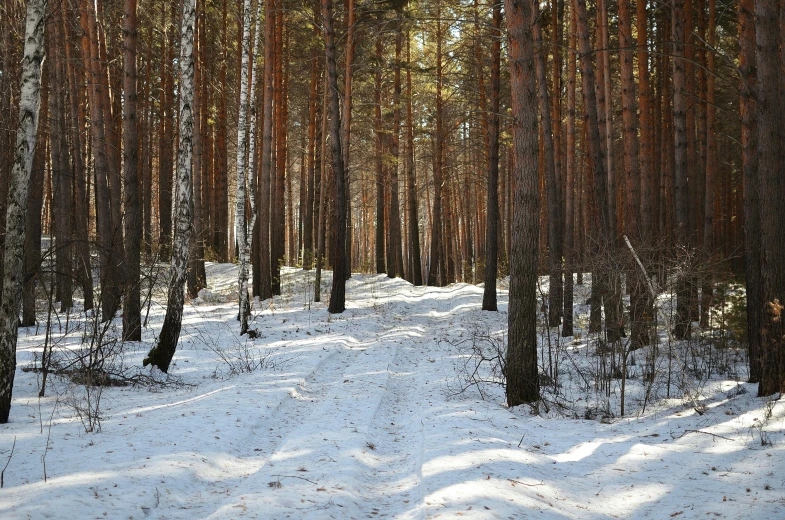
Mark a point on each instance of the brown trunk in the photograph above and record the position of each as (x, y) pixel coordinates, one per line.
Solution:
(378, 160)
(110, 289)
(395, 268)
(493, 219)
(338, 293)
(414, 226)
(132, 321)
(521, 360)
(436, 271)
(570, 252)
(747, 87)
(772, 185)
(556, 291)
(681, 164)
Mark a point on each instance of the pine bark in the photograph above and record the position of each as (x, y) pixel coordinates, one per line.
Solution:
(747, 88)
(680, 188)
(493, 220)
(413, 221)
(521, 360)
(555, 242)
(132, 317)
(338, 292)
(570, 251)
(771, 83)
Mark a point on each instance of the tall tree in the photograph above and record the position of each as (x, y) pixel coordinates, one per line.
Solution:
(436, 270)
(635, 282)
(570, 252)
(395, 267)
(771, 85)
(747, 89)
(338, 292)
(161, 355)
(132, 317)
(680, 188)
(521, 362)
(16, 213)
(411, 186)
(492, 212)
(555, 244)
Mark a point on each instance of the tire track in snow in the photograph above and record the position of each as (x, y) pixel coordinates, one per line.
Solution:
(314, 444)
(394, 483)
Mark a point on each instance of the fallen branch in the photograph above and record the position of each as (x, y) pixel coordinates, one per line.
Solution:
(705, 433)
(281, 477)
(524, 483)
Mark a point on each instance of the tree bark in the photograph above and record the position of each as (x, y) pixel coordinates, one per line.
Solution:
(521, 359)
(570, 251)
(555, 243)
(161, 355)
(492, 212)
(771, 83)
(16, 212)
(338, 292)
(747, 88)
(132, 317)
(414, 224)
(395, 268)
(680, 192)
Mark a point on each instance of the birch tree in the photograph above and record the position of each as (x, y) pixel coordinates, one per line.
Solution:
(13, 266)
(246, 139)
(161, 355)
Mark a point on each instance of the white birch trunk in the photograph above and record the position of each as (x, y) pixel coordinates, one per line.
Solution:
(13, 268)
(161, 355)
(246, 140)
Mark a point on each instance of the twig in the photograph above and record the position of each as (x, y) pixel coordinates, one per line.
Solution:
(2, 473)
(281, 477)
(705, 433)
(524, 483)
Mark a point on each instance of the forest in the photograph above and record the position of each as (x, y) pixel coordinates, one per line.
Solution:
(382, 221)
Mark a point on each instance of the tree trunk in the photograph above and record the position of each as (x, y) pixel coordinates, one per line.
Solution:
(395, 268)
(267, 184)
(161, 355)
(132, 317)
(243, 228)
(747, 88)
(521, 360)
(436, 272)
(16, 213)
(635, 281)
(414, 224)
(772, 185)
(492, 212)
(555, 253)
(351, 20)
(83, 269)
(110, 290)
(338, 293)
(570, 251)
(379, 160)
(680, 193)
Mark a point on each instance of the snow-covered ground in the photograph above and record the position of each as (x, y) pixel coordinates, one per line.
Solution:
(356, 416)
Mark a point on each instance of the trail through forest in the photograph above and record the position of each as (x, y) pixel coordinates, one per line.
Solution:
(355, 416)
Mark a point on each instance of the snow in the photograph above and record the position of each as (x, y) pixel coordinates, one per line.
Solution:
(357, 416)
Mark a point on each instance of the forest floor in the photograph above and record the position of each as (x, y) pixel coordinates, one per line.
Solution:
(361, 415)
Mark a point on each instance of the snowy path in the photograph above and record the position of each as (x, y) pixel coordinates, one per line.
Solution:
(354, 421)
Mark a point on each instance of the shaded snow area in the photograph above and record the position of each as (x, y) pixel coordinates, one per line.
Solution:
(361, 415)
